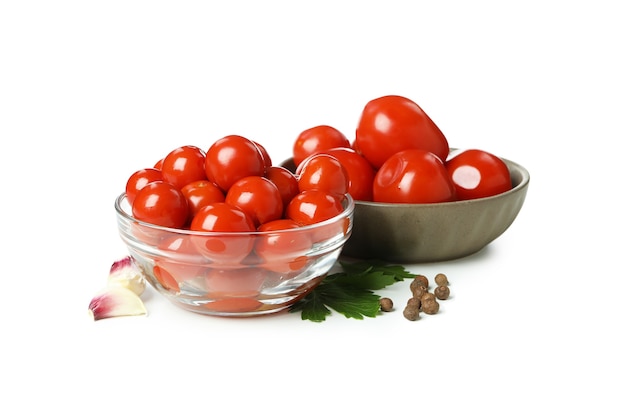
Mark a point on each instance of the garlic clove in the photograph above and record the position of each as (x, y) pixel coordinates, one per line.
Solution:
(116, 301)
(126, 273)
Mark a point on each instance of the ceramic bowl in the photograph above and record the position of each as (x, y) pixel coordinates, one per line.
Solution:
(424, 233)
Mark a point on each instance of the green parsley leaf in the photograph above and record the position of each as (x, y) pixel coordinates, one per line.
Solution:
(351, 291)
(398, 272)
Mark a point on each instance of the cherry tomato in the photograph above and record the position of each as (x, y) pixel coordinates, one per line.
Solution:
(140, 179)
(258, 197)
(200, 193)
(317, 139)
(313, 206)
(390, 124)
(183, 263)
(227, 248)
(234, 282)
(355, 146)
(267, 159)
(162, 204)
(283, 252)
(285, 181)
(232, 305)
(413, 176)
(478, 174)
(360, 172)
(232, 158)
(184, 165)
(322, 172)
(165, 278)
(159, 164)
(147, 234)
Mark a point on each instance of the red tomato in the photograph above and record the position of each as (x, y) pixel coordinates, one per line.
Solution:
(258, 197)
(165, 278)
(315, 140)
(184, 165)
(285, 181)
(222, 217)
(313, 206)
(322, 172)
(200, 193)
(232, 158)
(224, 248)
(183, 263)
(283, 252)
(162, 204)
(355, 146)
(237, 282)
(390, 124)
(478, 174)
(147, 234)
(232, 305)
(140, 179)
(267, 159)
(413, 176)
(360, 172)
(159, 164)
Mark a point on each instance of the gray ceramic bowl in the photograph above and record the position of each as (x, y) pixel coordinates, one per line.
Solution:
(421, 233)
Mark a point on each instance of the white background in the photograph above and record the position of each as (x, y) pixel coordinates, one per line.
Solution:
(92, 91)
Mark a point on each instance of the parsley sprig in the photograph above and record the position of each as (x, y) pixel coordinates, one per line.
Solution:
(351, 291)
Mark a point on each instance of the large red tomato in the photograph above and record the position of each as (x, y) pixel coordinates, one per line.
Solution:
(390, 124)
(413, 176)
(477, 174)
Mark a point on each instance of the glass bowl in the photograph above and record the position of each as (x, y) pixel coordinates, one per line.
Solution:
(236, 273)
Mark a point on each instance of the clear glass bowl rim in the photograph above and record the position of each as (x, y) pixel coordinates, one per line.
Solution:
(348, 203)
